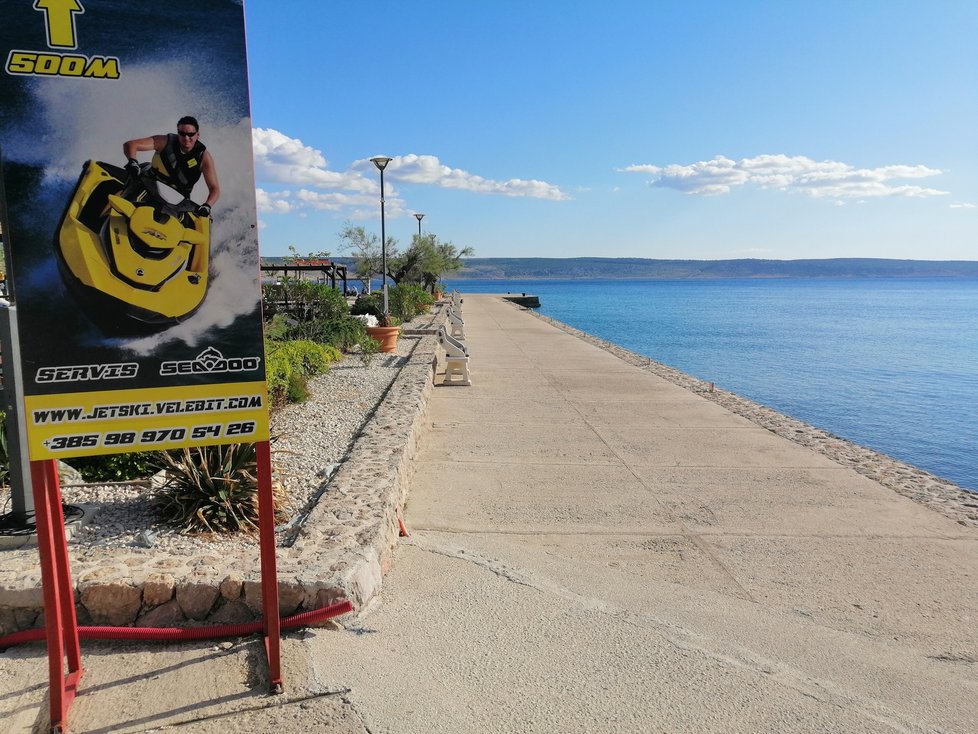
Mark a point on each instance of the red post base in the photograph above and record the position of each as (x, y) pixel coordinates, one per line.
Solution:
(60, 622)
(269, 572)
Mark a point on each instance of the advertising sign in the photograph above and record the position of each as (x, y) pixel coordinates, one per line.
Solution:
(129, 224)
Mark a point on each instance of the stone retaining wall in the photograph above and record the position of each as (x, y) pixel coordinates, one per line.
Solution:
(342, 550)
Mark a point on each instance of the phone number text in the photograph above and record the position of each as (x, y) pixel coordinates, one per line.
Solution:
(148, 437)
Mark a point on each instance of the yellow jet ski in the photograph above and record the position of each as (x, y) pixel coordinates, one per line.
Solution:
(133, 247)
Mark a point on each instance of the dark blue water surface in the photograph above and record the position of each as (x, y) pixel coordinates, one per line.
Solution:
(889, 364)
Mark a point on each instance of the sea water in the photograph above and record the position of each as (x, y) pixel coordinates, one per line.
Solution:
(888, 364)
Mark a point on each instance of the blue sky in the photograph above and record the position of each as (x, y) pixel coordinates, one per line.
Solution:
(702, 130)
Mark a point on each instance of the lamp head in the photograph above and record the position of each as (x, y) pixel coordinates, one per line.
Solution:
(380, 161)
(419, 217)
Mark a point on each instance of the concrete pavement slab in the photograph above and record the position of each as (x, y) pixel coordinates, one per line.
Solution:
(661, 411)
(731, 447)
(759, 576)
(848, 583)
(495, 646)
(209, 687)
(789, 501)
(617, 386)
(508, 384)
(535, 498)
(526, 443)
(576, 361)
(471, 407)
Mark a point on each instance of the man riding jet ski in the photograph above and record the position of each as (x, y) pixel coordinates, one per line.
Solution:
(132, 244)
(180, 160)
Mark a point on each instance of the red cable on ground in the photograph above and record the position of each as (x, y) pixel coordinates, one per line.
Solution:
(181, 634)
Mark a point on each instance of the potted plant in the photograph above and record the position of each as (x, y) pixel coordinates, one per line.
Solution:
(386, 331)
(388, 327)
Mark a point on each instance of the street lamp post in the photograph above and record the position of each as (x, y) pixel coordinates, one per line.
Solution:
(419, 217)
(381, 162)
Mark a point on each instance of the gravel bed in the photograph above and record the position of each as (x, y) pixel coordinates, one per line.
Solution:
(310, 441)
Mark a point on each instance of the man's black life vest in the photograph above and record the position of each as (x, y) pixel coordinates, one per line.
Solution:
(180, 170)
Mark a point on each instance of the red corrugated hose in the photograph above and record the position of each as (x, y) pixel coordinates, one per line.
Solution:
(181, 634)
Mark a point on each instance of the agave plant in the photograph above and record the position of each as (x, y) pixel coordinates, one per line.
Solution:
(213, 489)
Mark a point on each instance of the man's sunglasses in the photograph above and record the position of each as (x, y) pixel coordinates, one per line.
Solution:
(182, 134)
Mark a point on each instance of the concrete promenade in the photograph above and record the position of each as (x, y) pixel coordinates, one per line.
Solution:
(595, 549)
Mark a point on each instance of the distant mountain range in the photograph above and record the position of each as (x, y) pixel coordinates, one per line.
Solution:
(621, 268)
(535, 268)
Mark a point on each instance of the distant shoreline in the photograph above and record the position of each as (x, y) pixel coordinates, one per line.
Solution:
(605, 268)
(609, 279)
(598, 268)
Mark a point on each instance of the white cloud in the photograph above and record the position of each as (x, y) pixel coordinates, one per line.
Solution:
(819, 179)
(427, 169)
(963, 205)
(273, 202)
(284, 162)
(334, 201)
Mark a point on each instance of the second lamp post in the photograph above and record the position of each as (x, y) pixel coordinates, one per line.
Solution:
(381, 162)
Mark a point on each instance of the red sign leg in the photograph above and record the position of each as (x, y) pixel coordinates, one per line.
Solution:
(269, 572)
(60, 622)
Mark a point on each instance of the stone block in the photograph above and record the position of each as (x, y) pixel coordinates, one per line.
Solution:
(158, 589)
(233, 612)
(290, 597)
(197, 599)
(231, 586)
(318, 596)
(115, 603)
(252, 595)
(24, 596)
(15, 620)
(168, 614)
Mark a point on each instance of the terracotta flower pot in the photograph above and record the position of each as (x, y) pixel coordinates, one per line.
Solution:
(386, 335)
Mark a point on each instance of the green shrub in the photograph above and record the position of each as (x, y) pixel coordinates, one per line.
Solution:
(297, 391)
(406, 301)
(345, 334)
(116, 467)
(371, 304)
(303, 300)
(368, 348)
(213, 489)
(290, 364)
(326, 302)
(277, 327)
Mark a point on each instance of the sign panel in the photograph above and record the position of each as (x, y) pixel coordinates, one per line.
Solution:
(130, 224)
